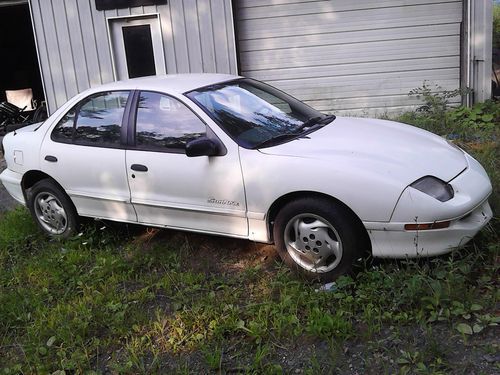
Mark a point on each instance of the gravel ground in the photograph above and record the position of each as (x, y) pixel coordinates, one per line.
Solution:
(6, 201)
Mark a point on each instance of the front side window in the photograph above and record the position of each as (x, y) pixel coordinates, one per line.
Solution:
(164, 123)
(254, 113)
(96, 120)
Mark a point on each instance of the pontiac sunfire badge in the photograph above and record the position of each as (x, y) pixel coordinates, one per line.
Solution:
(224, 202)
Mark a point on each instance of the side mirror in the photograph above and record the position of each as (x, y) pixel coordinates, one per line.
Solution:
(202, 147)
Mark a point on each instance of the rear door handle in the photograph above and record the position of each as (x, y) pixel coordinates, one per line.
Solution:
(51, 158)
(139, 168)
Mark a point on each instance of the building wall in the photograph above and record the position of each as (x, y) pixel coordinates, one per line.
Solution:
(355, 57)
(74, 49)
(480, 47)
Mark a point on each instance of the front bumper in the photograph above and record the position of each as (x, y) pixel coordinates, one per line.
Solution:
(12, 182)
(392, 241)
(467, 212)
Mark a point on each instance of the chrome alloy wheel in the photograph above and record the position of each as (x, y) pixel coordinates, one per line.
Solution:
(50, 213)
(313, 243)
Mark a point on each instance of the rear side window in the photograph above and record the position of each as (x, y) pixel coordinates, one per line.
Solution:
(165, 124)
(94, 121)
(63, 132)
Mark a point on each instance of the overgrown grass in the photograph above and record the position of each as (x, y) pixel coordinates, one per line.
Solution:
(138, 301)
(104, 301)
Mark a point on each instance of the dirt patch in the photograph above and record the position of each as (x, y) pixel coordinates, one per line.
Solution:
(210, 254)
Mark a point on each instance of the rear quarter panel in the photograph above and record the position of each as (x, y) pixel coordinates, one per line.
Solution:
(22, 150)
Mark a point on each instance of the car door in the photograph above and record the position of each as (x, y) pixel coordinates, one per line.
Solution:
(171, 189)
(85, 154)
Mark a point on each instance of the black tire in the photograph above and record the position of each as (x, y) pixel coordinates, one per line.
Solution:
(52, 209)
(334, 236)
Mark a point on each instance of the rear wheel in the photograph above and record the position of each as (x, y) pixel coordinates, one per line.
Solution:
(52, 209)
(318, 238)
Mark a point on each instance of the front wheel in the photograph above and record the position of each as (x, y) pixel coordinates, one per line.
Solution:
(52, 209)
(318, 238)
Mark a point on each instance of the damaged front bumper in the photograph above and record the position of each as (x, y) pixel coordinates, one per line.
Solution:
(467, 213)
(392, 241)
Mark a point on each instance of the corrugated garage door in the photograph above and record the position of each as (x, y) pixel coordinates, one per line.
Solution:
(347, 56)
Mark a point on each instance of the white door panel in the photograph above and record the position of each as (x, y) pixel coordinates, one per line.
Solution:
(83, 153)
(95, 178)
(201, 193)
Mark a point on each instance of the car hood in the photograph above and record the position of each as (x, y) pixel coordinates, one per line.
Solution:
(397, 150)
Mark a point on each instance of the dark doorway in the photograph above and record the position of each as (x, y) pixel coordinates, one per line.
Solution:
(19, 67)
(139, 51)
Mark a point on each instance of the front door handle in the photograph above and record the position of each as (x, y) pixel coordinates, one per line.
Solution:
(51, 158)
(139, 168)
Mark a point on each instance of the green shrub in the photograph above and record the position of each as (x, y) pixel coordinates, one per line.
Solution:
(436, 99)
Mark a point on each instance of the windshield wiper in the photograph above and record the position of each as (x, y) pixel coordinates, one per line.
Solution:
(315, 120)
(276, 138)
(312, 122)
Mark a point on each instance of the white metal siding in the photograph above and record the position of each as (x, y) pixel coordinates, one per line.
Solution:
(74, 49)
(349, 56)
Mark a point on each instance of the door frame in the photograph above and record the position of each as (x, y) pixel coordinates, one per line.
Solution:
(130, 123)
(137, 17)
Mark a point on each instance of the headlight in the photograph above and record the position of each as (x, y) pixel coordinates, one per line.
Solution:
(434, 187)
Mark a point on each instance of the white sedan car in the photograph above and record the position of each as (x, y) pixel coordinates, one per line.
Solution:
(232, 156)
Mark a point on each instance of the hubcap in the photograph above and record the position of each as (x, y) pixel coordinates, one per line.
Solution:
(313, 243)
(50, 213)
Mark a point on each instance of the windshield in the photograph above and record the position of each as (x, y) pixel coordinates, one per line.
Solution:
(255, 114)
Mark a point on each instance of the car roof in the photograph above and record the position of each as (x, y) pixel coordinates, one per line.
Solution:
(170, 83)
